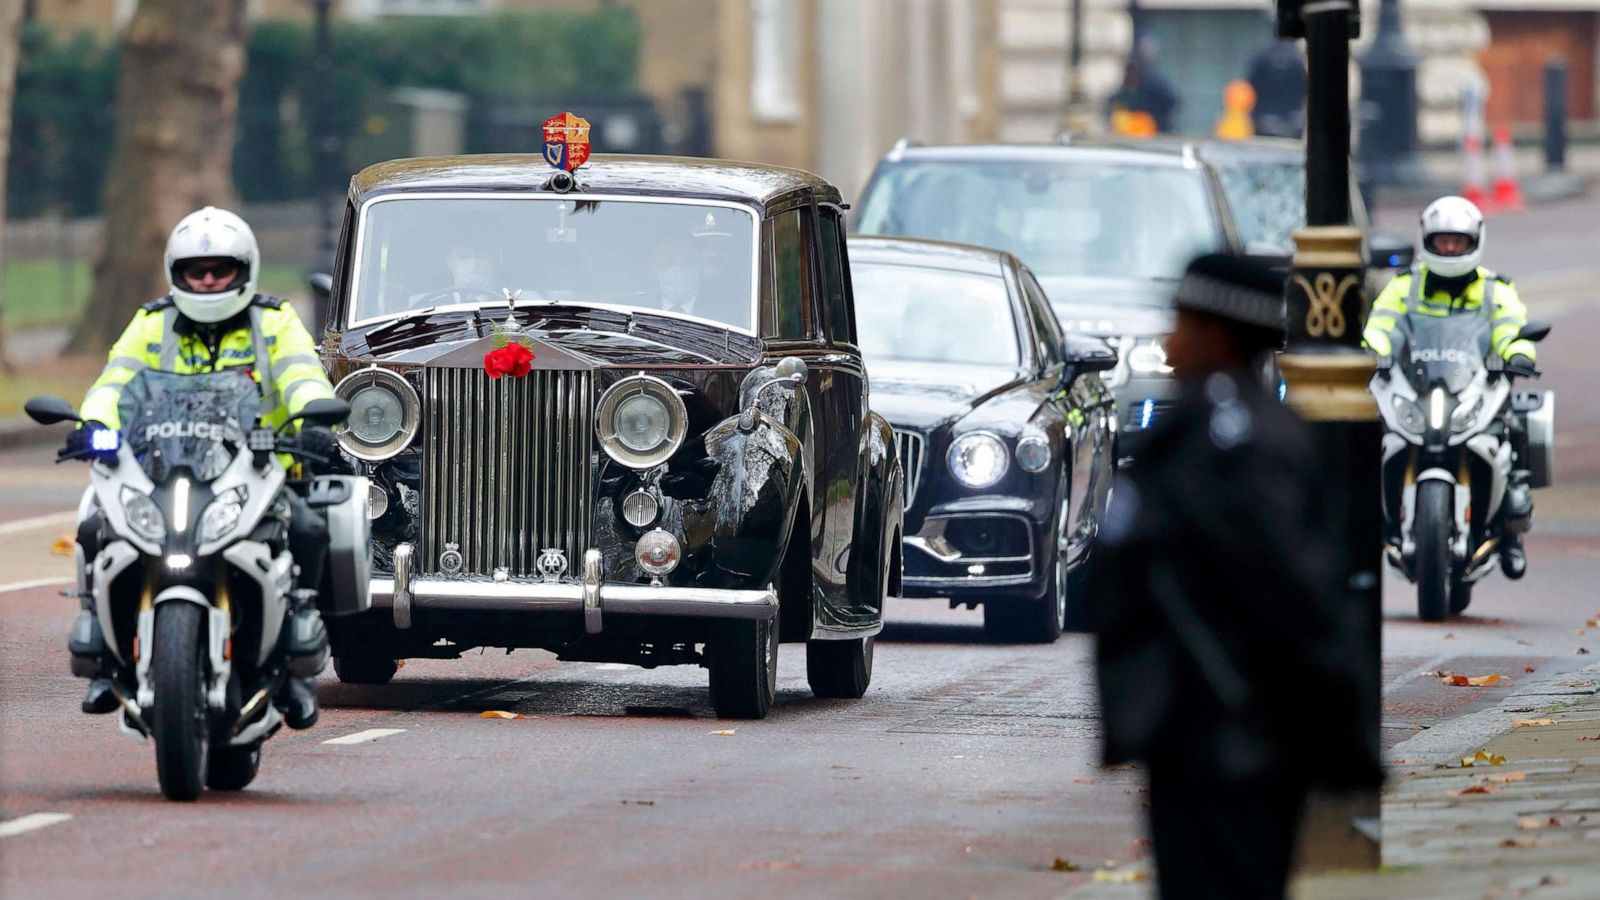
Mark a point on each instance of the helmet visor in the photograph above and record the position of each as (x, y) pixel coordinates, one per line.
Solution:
(1450, 243)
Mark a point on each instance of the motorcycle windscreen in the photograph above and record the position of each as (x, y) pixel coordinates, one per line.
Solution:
(1447, 350)
(197, 422)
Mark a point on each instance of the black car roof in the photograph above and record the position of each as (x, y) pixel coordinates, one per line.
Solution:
(1162, 154)
(904, 251)
(665, 176)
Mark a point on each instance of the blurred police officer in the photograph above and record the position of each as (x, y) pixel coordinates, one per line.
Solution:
(1223, 658)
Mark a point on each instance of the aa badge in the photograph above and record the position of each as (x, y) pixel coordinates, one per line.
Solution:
(566, 141)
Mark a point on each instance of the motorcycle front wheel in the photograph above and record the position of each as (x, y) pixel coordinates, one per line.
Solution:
(179, 719)
(1432, 526)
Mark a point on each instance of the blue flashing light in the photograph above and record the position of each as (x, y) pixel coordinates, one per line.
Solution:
(1147, 411)
(1394, 261)
(1283, 390)
(105, 441)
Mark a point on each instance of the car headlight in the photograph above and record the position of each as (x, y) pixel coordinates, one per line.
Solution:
(221, 515)
(1411, 417)
(1149, 358)
(384, 414)
(641, 421)
(978, 460)
(1033, 453)
(143, 515)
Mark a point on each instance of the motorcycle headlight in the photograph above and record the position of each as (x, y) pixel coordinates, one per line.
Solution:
(1465, 416)
(384, 414)
(1411, 417)
(1149, 359)
(143, 515)
(977, 460)
(221, 515)
(641, 421)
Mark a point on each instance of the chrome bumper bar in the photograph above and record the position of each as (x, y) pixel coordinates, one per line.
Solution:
(591, 596)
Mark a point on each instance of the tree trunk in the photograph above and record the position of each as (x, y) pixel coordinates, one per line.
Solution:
(10, 33)
(177, 114)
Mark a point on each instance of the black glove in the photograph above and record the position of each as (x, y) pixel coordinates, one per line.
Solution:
(80, 440)
(319, 439)
(1519, 364)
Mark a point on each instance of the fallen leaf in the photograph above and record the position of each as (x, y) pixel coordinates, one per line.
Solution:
(1580, 632)
(1083, 781)
(1110, 876)
(1509, 777)
(1065, 865)
(1589, 737)
(1527, 668)
(61, 546)
(638, 803)
(1531, 723)
(1583, 651)
(1554, 881)
(1528, 823)
(1469, 681)
(1593, 623)
(725, 732)
(1475, 789)
(500, 714)
(1519, 842)
(1482, 757)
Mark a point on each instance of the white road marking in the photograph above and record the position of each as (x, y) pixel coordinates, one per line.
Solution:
(34, 583)
(31, 822)
(362, 737)
(53, 519)
(613, 667)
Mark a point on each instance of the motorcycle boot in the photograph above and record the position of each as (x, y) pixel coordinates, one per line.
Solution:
(1518, 518)
(101, 698)
(305, 647)
(298, 703)
(87, 647)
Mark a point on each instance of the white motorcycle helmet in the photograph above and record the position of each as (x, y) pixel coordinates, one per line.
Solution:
(213, 233)
(1452, 215)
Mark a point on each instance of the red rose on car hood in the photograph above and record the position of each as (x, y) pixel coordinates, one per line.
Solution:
(512, 359)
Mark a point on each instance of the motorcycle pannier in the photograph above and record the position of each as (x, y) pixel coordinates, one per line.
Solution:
(342, 500)
(1538, 409)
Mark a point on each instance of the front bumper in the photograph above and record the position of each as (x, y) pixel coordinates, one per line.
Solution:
(937, 568)
(590, 596)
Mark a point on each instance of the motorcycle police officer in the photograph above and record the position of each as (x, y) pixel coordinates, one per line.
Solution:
(1450, 281)
(213, 319)
(1225, 655)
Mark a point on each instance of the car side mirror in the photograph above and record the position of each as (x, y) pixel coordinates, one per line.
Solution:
(50, 410)
(1086, 354)
(328, 411)
(1534, 331)
(321, 284)
(1388, 251)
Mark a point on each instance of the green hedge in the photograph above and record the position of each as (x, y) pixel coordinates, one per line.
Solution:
(64, 128)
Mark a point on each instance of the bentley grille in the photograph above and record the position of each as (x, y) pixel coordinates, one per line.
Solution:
(506, 469)
(909, 443)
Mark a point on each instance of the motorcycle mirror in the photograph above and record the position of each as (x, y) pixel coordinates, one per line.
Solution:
(1388, 251)
(50, 410)
(321, 284)
(1534, 331)
(327, 411)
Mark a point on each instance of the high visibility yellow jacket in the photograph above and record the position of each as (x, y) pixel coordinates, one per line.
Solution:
(159, 337)
(1405, 293)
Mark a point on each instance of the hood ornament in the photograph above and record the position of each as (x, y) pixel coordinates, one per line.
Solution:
(552, 564)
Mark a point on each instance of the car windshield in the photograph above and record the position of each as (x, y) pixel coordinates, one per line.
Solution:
(197, 422)
(1063, 219)
(933, 315)
(419, 253)
(1268, 199)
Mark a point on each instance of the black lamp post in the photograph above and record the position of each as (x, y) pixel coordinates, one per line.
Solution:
(1389, 104)
(1327, 373)
(327, 152)
(1075, 115)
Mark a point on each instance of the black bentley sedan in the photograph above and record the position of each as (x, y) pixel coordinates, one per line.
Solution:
(1005, 428)
(619, 414)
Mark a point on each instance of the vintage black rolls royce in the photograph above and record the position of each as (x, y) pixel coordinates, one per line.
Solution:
(619, 414)
(1006, 431)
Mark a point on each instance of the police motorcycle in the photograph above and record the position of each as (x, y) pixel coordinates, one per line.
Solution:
(189, 581)
(1449, 498)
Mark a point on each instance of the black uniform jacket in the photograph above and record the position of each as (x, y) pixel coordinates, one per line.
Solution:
(1225, 645)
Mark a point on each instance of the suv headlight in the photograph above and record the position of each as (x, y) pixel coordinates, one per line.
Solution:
(221, 515)
(978, 460)
(384, 414)
(1149, 358)
(641, 422)
(144, 517)
(1411, 417)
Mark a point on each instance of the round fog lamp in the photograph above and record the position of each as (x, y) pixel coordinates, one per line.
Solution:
(639, 508)
(1033, 454)
(377, 501)
(658, 553)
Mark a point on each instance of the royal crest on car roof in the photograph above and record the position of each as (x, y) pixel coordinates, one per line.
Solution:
(566, 141)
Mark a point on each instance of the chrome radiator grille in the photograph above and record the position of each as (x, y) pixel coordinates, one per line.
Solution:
(506, 468)
(909, 443)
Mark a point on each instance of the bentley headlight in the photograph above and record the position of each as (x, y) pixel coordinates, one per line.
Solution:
(641, 421)
(221, 515)
(1033, 453)
(143, 515)
(384, 414)
(1411, 418)
(978, 460)
(1149, 359)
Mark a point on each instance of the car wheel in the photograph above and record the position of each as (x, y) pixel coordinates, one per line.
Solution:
(362, 668)
(1032, 620)
(841, 669)
(744, 669)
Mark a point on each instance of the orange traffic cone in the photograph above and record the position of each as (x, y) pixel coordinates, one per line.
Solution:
(1474, 180)
(1507, 190)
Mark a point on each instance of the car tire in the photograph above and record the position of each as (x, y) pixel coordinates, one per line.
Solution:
(362, 668)
(839, 669)
(233, 768)
(744, 669)
(1032, 620)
